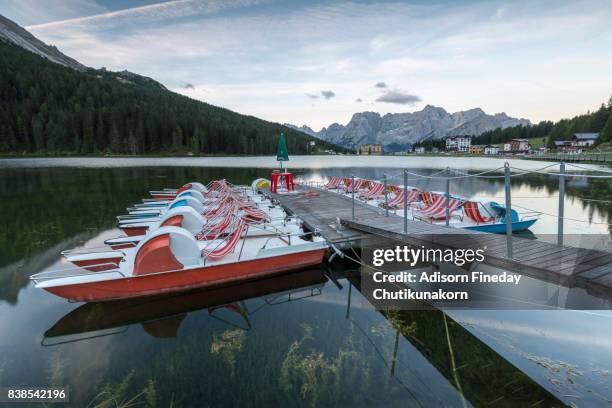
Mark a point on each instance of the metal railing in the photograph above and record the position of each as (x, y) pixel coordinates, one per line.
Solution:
(509, 172)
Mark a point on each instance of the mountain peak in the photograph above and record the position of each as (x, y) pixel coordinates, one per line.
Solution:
(397, 130)
(15, 34)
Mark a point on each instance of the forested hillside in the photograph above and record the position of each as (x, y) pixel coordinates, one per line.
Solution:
(597, 121)
(50, 109)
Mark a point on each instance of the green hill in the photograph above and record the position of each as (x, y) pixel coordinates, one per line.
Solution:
(599, 121)
(46, 108)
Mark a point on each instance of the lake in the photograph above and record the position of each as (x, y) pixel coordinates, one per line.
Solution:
(296, 340)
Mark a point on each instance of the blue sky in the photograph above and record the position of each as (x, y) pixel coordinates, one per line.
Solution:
(318, 62)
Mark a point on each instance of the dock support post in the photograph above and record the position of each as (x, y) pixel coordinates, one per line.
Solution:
(405, 201)
(447, 195)
(386, 196)
(353, 197)
(561, 203)
(508, 208)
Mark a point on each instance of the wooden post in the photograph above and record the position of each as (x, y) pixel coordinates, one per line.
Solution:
(405, 201)
(353, 197)
(447, 195)
(561, 203)
(508, 209)
(386, 196)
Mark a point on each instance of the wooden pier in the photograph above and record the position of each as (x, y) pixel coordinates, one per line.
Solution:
(330, 214)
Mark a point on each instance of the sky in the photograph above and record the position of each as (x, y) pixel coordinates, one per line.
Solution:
(318, 62)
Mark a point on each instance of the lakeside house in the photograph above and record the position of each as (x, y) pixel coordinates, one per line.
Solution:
(578, 143)
(419, 150)
(477, 149)
(519, 145)
(584, 139)
(566, 146)
(458, 143)
(491, 150)
(371, 149)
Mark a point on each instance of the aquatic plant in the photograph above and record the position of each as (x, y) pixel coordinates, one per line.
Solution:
(227, 345)
(56, 369)
(116, 395)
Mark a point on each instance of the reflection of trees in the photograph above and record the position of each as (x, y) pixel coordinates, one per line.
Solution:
(41, 207)
(482, 375)
(477, 371)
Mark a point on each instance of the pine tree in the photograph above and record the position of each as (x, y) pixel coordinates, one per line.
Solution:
(116, 144)
(132, 143)
(45, 106)
(606, 132)
(177, 138)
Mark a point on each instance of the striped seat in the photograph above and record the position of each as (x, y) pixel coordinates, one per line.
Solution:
(228, 245)
(470, 208)
(398, 200)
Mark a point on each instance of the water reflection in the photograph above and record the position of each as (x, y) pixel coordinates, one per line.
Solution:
(161, 316)
(251, 349)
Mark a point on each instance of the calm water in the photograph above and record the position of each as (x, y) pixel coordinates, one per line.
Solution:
(299, 340)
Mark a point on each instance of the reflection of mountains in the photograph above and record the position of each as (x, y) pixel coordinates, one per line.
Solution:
(483, 376)
(161, 316)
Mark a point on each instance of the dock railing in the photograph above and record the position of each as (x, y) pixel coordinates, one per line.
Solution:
(449, 175)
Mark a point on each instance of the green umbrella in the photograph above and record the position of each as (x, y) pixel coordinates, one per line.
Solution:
(281, 153)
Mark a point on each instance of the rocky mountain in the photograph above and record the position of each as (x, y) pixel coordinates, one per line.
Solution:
(396, 131)
(13, 33)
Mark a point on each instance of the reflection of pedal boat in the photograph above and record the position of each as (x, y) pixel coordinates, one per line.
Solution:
(161, 315)
(171, 259)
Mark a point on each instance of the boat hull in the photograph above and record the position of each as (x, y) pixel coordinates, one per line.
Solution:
(500, 228)
(134, 231)
(163, 197)
(158, 283)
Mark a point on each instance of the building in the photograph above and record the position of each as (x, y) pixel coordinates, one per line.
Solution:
(519, 145)
(491, 150)
(419, 150)
(477, 149)
(371, 149)
(584, 139)
(567, 146)
(458, 143)
(507, 147)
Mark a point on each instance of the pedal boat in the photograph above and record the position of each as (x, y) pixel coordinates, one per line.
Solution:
(170, 259)
(170, 194)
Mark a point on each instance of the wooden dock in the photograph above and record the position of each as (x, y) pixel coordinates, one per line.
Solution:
(331, 215)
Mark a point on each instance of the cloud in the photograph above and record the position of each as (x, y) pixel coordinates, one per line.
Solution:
(381, 85)
(312, 96)
(399, 97)
(150, 13)
(328, 94)
(189, 86)
(358, 100)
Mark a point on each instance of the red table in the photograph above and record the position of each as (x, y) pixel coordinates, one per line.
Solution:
(287, 177)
